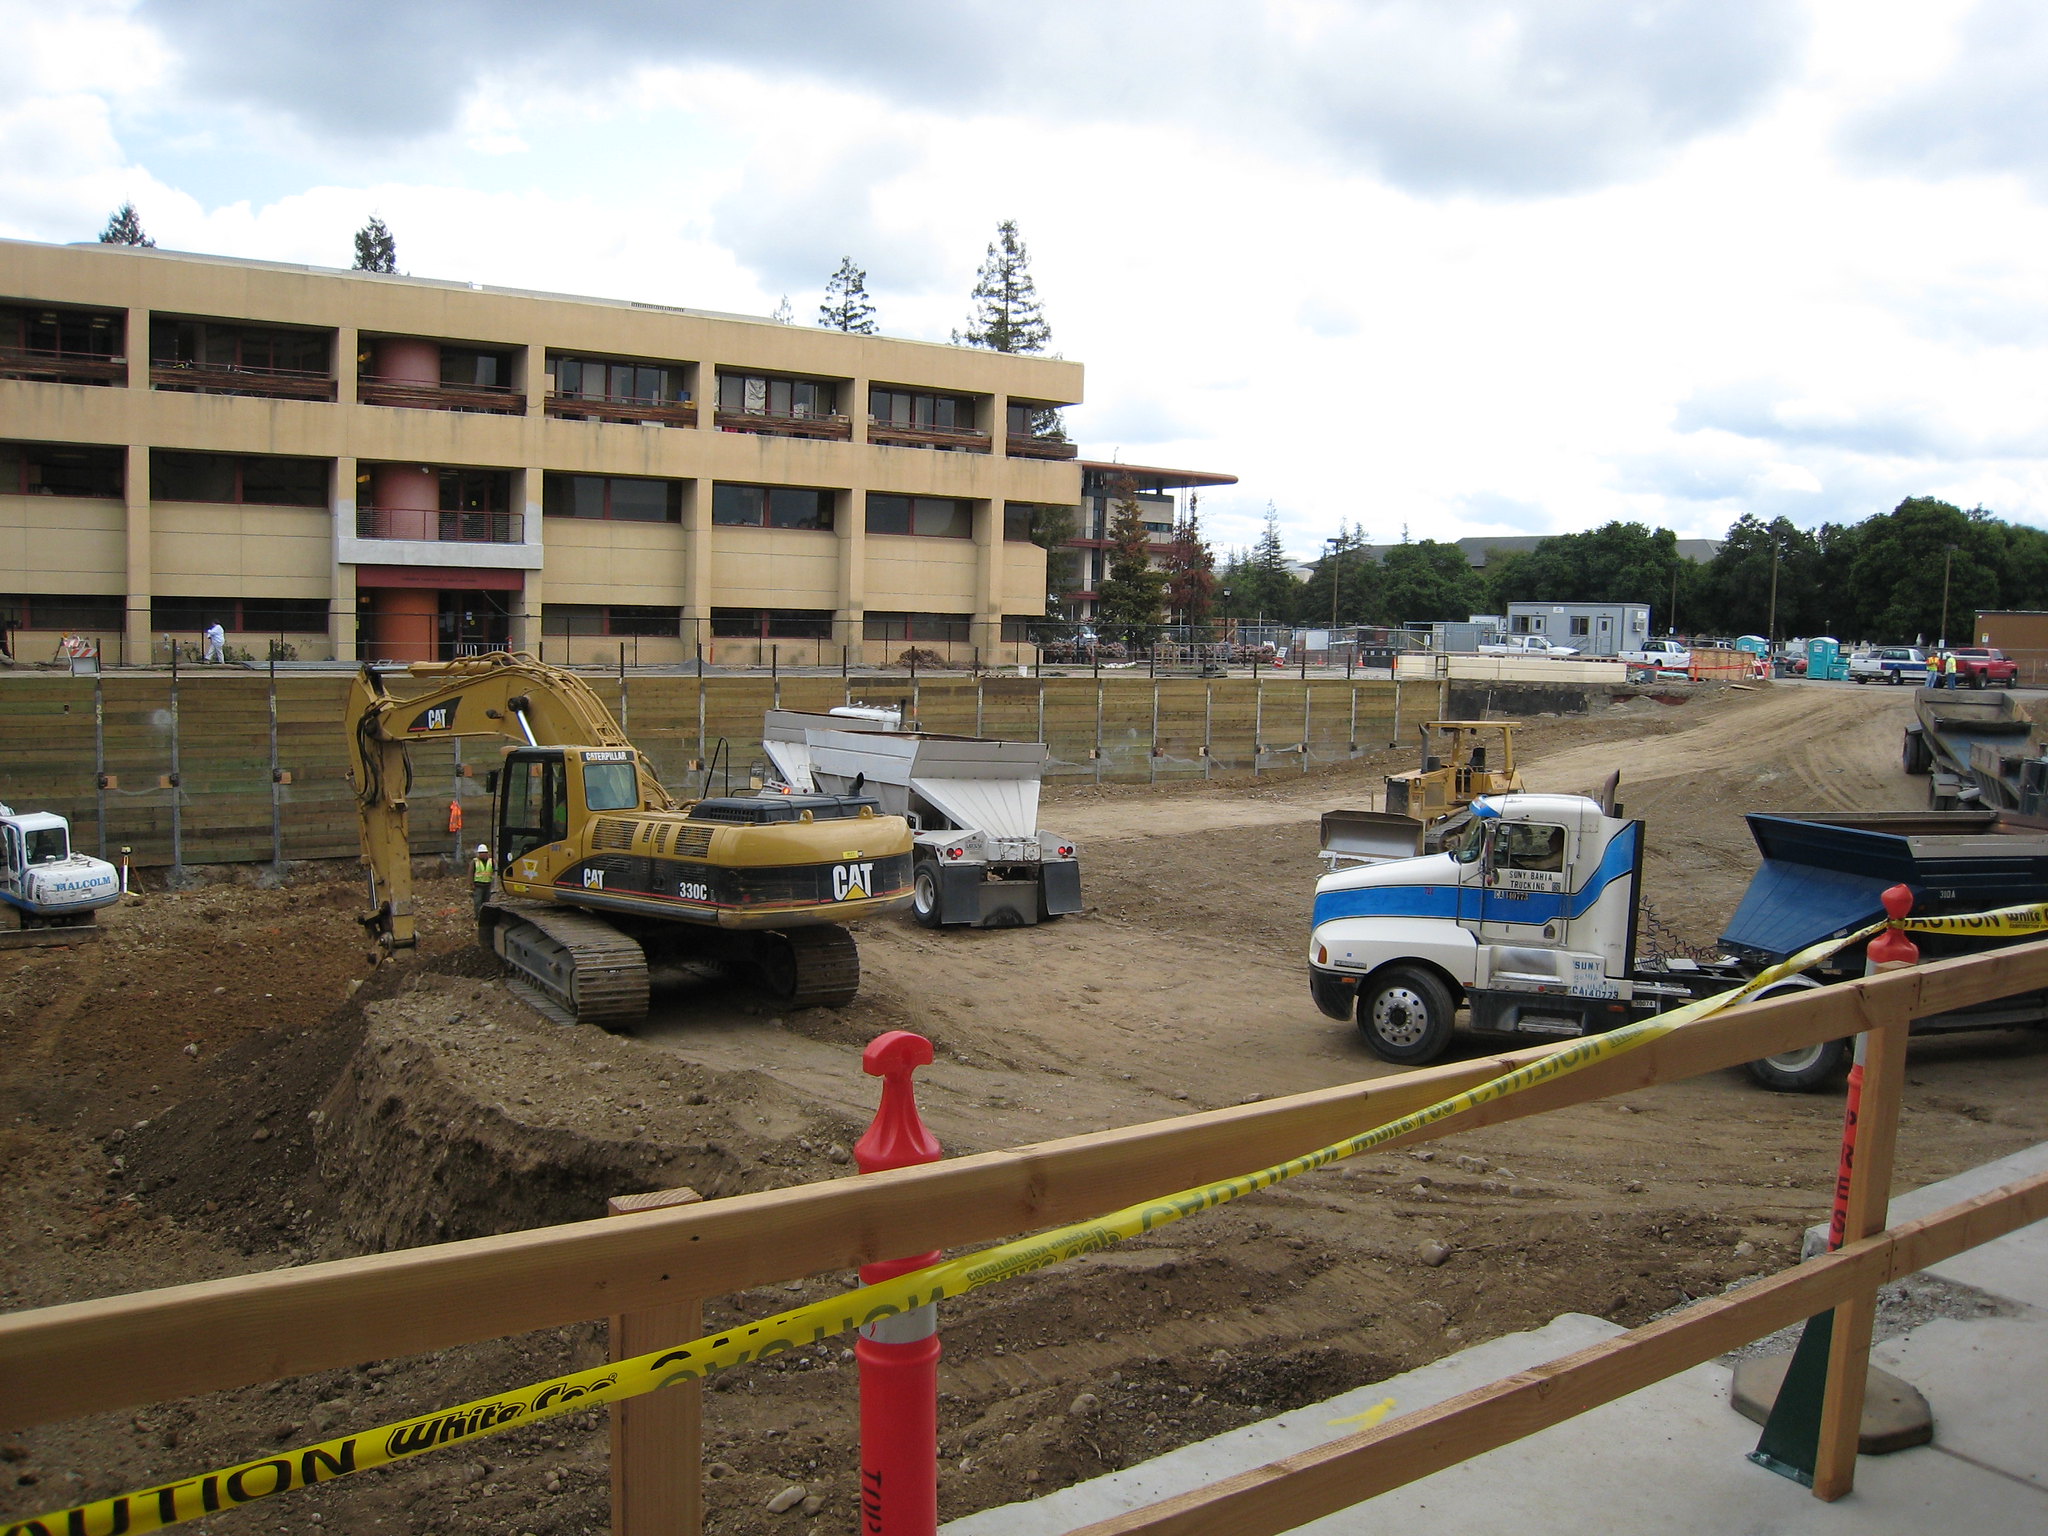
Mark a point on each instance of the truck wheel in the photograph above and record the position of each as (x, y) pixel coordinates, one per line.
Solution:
(1915, 757)
(1860, 679)
(1804, 1069)
(1800, 1071)
(1405, 1015)
(924, 893)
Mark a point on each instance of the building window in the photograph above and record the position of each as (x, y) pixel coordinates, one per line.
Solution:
(908, 408)
(771, 623)
(472, 367)
(1582, 624)
(61, 469)
(598, 378)
(623, 620)
(70, 614)
(218, 344)
(259, 480)
(917, 626)
(616, 498)
(251, 615)
(475, 490)
(755, 394)
(1020, 627)
(1018, 516)
(61, 346)
(770, 506)
(935, 517)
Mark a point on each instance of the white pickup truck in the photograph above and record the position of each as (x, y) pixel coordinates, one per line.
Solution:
(1664, 655)
(1527, 645)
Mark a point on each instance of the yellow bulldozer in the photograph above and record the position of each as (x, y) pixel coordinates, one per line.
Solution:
(599, 868)
(1461, 760)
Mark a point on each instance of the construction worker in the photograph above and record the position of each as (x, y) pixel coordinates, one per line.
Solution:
(1951, 668)
(480, 872)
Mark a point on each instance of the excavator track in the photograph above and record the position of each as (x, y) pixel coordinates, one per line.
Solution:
(575, 968)
(813, 967)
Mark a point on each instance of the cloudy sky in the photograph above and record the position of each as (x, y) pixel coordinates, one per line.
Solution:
(1445, 267)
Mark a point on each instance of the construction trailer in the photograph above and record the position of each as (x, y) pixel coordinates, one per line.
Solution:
(1978, 750)
(980, 859)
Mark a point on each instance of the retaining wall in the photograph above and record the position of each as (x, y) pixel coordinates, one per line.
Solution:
(1113, 729)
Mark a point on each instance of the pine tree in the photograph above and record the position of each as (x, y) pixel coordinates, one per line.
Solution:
(846, 306)
(1265, 585)
(376, 251)
(124, 228)
(1006, 315)
(783, 314)
(1132, 595)
(1190, 569)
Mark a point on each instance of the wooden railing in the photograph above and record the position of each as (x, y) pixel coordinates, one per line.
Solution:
(46, 367)
(120, 1352)
(492, 399)
(834, 428)
(667, 413)
(440, 527)
(902, 435)
(1038, 447)
(232, 379)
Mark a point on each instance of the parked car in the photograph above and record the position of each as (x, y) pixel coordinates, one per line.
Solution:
(1889, 663)
(1527, 645)
(1979, 666)
(1665, 655)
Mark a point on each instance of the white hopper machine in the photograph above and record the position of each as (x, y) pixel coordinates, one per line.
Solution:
(981, 859)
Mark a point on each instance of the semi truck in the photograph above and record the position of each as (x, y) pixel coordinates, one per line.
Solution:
(1527, 921)
(979, 857)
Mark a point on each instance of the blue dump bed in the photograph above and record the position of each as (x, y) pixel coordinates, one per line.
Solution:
(1823, 875)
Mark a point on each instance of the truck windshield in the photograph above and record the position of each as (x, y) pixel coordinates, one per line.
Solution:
(1465, 843)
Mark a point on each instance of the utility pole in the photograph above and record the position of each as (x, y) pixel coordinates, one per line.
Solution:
(1336, 547)
(1671, 615)
(1947, 560)
(1771, 625)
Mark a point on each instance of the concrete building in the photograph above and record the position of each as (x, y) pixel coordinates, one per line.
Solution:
(368, 466)
(1592, 629)
(1102, 486)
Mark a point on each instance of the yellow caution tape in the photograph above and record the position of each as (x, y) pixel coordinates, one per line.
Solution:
(2032, 918)
(1367, 1419)
(152, 1509)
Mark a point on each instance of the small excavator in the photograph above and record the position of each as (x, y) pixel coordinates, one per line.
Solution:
(600, 870)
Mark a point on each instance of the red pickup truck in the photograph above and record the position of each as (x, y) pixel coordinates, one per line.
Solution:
(1979, 666)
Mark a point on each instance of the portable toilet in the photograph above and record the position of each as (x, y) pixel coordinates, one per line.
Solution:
(1825, 661)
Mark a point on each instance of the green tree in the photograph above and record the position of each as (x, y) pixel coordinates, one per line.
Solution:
(1190, 569)
(1901, 561)
(1052, 526)
(846, 306)
(1427, 580)
(1132, 596)
(1006, 317)
(376, 250)
(1350, 576)
(124, 228)
(1614, 563)
(1754, 555)
(1261, 580)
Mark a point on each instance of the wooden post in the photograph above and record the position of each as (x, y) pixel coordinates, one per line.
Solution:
(658, 1439)
(1870, 1182)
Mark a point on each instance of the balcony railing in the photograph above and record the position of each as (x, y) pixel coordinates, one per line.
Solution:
(903, 435)
(43, 367)
(440, 527)
(492, 399)
(233, 379)
(1038, 448)
(666, 413)
(835, 428)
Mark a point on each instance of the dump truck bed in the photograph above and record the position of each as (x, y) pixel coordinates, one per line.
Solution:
(1823, 875)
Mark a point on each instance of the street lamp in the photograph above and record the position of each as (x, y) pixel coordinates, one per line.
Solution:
(1948, 557)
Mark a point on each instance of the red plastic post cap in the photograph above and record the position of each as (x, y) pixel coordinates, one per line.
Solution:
(1893, 947)
(897, 1138)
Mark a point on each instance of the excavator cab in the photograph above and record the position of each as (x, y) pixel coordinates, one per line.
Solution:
(545, 794)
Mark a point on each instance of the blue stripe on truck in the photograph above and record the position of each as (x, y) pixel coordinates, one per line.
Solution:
(1441, 901)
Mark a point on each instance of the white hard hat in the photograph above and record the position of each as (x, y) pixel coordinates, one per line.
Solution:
(483, 847)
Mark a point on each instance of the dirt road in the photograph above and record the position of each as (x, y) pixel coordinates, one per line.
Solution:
(435, 1105)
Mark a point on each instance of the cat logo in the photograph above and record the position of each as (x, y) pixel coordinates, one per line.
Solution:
(851, 882)
(593, 879)
(440, 717)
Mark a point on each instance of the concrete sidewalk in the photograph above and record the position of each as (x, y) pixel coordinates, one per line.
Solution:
(1672, 1457)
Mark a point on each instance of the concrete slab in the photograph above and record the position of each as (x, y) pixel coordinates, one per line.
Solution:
(1984, 1379)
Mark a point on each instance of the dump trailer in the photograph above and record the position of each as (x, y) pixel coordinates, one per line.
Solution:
(53, 892)
(980, 859)
(1979, 751)
(1528, 921)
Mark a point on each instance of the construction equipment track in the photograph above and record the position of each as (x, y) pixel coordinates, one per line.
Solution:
(575, 968)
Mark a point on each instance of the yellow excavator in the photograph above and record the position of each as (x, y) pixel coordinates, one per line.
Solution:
(600, 869)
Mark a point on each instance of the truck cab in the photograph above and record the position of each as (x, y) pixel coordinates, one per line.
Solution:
(1664, 655)
(1527, 917)
(42, 879)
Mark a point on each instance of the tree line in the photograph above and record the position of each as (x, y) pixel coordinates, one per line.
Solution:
(1921, 571)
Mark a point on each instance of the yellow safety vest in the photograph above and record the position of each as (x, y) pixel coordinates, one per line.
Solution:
(480, 871)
